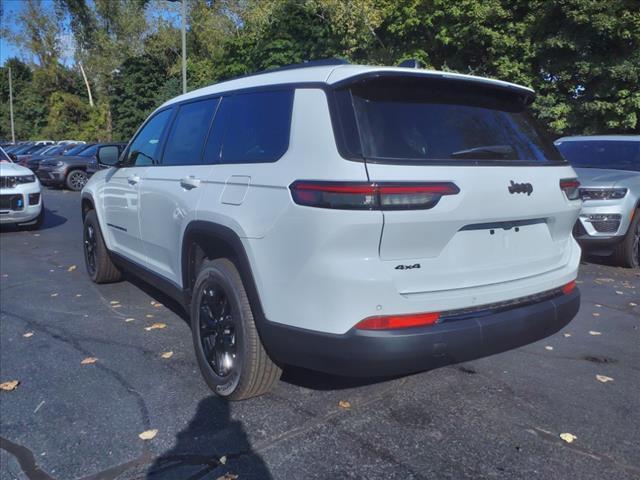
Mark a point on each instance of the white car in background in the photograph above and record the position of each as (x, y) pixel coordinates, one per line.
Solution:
(20, 194)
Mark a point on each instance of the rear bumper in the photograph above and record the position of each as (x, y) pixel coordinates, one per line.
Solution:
(386, 353)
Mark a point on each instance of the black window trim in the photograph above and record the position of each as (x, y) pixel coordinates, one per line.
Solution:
(329, 91)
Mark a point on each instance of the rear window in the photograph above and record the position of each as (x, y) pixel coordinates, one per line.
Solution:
(616, 155)
(409, 119)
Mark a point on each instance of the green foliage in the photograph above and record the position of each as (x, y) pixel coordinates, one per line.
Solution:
(581, 56)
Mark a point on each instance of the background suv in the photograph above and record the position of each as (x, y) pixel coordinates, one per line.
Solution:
(68, 170)
(608, 167)
(20, 195)
(356, 220)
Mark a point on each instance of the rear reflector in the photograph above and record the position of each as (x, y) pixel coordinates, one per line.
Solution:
(370, 196)
(569, 287)
(570, 186)
(392, 322)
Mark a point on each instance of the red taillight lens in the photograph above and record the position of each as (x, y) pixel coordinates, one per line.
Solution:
(392, 322)
(569, 287)
(571, 188)
(370, 196)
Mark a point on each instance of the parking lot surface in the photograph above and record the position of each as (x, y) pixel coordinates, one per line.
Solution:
(498, 417)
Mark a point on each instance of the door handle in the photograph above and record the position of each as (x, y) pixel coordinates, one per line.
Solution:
(133, 179)
(189, 182)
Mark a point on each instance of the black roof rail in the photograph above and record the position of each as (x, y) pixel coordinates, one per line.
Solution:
(411, 63)
(324, 62)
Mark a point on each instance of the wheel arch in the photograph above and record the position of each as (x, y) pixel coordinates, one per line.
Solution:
(208, 240)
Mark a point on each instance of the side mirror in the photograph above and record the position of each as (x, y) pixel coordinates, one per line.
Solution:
(108, 155)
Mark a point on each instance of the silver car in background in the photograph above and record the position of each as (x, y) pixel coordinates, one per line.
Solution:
(608, 167)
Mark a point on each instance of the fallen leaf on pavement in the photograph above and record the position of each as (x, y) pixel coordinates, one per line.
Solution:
(116, 306)
(595, 314)
(71, 268)
(567, 335)
(54, 294)
(228, 476)
(28, 334)
(548, 347)
(114, 302)
(223, 459)
(568, 437)
(619, 292)
(148, 315)
(89, 361)
(167, 355)
(344, 404)
(129, 319)
(593, 332)
(10, 385)
(598, 305)
(632, 304)
(604, 378)
(155, 326)
(148, 434)
(605, 280)
(78, 294)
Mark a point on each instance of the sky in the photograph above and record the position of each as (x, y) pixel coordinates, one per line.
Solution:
(11, 10)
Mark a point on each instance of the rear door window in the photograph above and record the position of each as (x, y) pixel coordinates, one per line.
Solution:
(425, 120)
(258, 127)
(188, 133)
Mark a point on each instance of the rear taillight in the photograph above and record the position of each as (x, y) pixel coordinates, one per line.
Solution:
(370, 196)
(392, 322)
(569, 287)
(570, 187)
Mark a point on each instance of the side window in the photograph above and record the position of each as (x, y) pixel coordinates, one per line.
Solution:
(218, 129)
(259, 127)
(188, 133)
(144, 148)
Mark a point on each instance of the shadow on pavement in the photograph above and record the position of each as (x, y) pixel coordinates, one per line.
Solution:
(51, 220)
(210, 435)
(313, 380)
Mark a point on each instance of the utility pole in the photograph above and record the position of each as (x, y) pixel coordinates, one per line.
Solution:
(13, 133)
(183, 14)
(184, 46)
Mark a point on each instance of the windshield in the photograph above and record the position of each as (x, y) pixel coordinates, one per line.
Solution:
(77, 150)
(89, 151)
(610, 154)
(4, 158)
(409, 119)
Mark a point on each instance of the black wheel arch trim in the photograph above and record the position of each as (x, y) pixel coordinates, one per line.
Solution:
(241, 260)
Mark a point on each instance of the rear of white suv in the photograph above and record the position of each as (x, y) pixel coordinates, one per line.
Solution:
(354, 220)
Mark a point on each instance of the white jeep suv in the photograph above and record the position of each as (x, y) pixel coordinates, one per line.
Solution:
(356, 220)
(20, 195)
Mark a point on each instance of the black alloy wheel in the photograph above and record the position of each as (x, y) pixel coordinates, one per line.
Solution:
(217, 329)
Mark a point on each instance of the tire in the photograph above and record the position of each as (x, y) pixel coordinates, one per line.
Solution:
(76, 180)
(228, 349)
(97, 260)
(626, 253)
(37, 223)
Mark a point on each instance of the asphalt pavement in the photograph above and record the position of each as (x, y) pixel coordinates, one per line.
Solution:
(499, 417)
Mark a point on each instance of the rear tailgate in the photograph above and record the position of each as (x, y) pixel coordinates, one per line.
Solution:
(481, 236)
(509, 218)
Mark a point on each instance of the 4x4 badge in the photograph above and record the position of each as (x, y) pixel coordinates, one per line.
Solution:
(520, 188)
(407, 267)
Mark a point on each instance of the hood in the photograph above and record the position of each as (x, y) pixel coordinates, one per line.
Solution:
(13, 169)
(600, 177)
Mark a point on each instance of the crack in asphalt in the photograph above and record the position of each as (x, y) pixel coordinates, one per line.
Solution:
(26, 459)
(109, 371)
(603, 457)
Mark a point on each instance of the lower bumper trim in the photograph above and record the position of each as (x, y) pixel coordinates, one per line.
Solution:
(370, 353)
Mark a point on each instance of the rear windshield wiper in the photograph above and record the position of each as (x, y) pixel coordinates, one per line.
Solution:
(487, 151)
